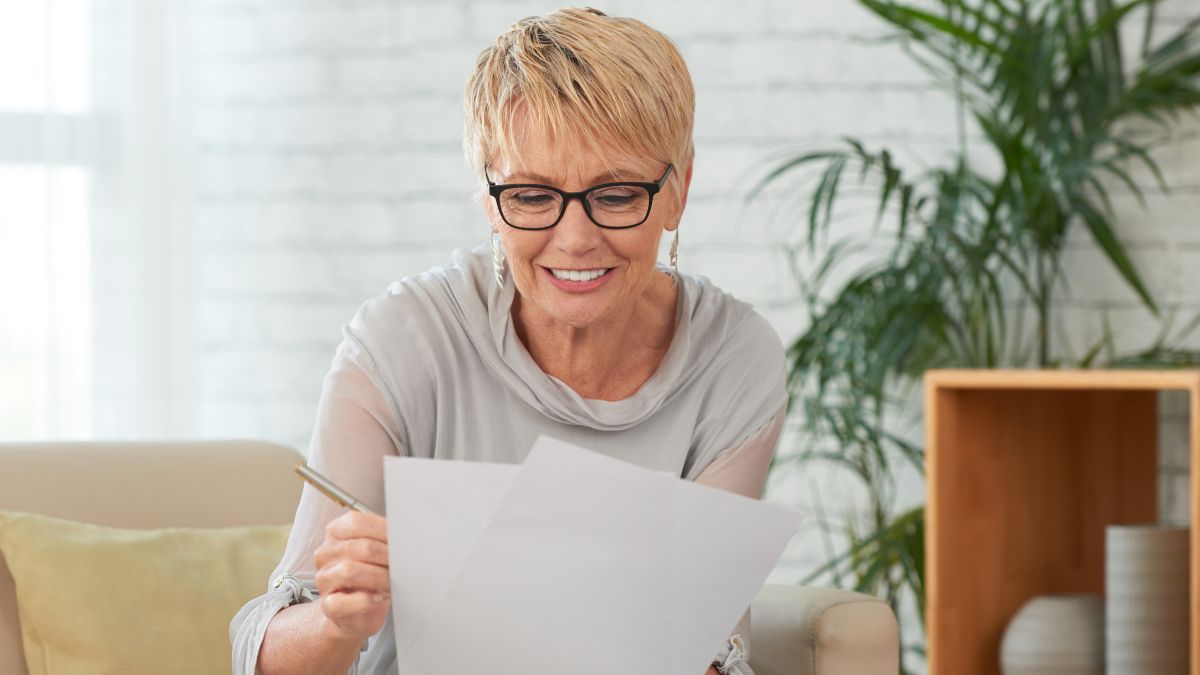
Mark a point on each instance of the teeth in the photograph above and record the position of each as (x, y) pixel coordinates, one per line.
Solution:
(578, 275)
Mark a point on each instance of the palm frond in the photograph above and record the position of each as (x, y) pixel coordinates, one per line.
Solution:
(1052, 89)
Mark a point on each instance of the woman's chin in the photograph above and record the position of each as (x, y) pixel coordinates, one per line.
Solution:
(575, 312)
(572, 309)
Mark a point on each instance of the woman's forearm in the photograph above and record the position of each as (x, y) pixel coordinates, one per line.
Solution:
(300, 639)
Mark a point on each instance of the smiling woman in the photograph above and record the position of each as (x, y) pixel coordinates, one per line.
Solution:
(579, 128)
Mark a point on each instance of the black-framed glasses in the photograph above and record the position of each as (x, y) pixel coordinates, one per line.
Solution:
(615, 206)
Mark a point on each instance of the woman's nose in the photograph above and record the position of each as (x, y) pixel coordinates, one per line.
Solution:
(575, 233)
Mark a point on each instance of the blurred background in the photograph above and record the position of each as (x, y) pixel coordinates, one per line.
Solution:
(196, 195)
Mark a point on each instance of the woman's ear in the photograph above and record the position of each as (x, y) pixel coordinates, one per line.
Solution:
(489, 209)
(683, 195)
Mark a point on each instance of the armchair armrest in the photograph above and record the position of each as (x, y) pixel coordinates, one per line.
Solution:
(801, 630)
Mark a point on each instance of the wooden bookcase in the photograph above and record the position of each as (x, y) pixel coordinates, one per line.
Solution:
(1024, 471)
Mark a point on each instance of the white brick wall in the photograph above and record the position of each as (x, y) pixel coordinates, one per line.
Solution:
(328, 163)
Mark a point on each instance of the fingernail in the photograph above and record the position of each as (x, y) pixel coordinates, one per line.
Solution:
(379, 597)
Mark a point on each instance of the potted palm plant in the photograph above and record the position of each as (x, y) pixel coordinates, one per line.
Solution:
(1051, 95)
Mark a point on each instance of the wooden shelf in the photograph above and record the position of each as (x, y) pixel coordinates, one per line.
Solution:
(1025, 469)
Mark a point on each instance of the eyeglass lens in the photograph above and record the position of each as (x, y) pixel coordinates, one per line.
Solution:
(616, 206)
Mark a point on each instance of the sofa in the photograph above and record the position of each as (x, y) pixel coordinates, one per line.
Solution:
(796, 630)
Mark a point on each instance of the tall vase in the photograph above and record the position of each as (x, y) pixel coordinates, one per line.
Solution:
(1055, 635)
(1146, 597)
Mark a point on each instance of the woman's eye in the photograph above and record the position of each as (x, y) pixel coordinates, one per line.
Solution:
(532, 199)
(615, 198)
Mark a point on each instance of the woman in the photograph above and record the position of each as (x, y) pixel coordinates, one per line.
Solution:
(579, 126)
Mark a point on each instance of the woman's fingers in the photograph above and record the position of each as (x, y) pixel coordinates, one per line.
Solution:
(352, 575)
(370, 551)
(358, 525)
(358, 614)
(354, 536)
(351, 603)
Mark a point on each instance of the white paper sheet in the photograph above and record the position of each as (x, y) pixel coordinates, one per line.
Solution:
(573, 562)
(444, 507)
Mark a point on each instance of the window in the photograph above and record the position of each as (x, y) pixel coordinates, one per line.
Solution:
(91, 228)
(45, 211)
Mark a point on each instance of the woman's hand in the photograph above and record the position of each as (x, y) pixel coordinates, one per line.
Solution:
(352, 574)
(712, 670)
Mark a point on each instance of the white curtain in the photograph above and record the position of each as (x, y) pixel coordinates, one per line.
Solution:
(92, 248)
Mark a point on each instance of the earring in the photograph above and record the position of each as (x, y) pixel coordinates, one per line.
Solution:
(498, 260)
(675, 253)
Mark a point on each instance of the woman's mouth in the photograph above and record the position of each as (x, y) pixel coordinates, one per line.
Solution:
(578, 280)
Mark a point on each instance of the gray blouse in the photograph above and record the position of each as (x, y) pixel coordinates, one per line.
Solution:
(433, 368)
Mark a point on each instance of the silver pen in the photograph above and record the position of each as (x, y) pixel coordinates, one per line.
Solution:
(329, 489)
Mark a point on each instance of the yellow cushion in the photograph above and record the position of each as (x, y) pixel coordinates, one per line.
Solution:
(110, 600)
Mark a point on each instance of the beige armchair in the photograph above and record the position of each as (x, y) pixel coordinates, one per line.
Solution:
(796, 630)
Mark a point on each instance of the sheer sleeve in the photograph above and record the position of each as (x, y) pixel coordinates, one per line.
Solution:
(742, 469)
(355, 428)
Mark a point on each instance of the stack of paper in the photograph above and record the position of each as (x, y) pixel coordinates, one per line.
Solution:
(571, 563)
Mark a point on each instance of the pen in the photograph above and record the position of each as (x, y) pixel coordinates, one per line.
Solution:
(330, 490)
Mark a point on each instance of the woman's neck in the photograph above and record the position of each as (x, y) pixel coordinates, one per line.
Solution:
(610, 360)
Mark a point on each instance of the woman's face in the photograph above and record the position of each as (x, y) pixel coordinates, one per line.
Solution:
(628, 256)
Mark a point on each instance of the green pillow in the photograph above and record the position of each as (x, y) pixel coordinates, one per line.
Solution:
(98, 599)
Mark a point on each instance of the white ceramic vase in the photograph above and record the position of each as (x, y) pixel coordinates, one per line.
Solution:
(1055, 635)
(1146, 594)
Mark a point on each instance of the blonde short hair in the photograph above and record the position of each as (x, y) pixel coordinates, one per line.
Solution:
(610, 83)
